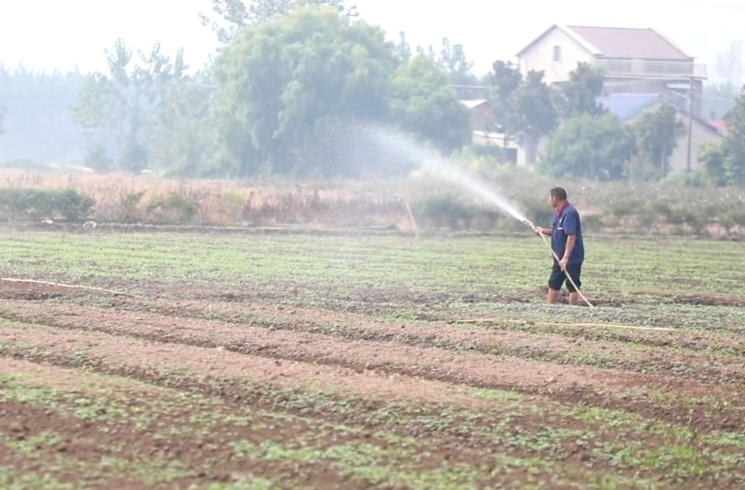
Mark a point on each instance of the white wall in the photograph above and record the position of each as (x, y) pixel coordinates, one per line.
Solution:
(700, 135)
(540, 56)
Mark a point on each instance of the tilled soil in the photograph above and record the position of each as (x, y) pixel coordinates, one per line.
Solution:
(438, 353)
(335, 367)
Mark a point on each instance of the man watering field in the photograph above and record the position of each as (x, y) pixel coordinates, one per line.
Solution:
(567, 245)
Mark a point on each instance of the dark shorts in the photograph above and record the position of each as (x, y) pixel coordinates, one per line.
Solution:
(558, 277)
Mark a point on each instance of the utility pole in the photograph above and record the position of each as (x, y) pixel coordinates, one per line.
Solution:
(690, 126)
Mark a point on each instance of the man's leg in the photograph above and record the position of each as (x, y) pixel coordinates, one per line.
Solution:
(574, 271)
(554, 283)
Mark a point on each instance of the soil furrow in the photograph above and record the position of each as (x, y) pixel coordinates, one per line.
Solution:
(703, 367)
(566, 384)
(381, 329)
(158, 428)
(41, 442)
(197, 435)
(433, 363)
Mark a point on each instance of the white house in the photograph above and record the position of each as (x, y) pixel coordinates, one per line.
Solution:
(634, 60)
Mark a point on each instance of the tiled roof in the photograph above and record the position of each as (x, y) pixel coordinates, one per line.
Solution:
(626, 106)
(623, 42)
(720, 124)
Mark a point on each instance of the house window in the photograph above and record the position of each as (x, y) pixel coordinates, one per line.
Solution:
(557, 54)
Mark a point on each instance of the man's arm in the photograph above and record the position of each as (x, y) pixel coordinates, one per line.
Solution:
(542, 231)
(571, 240)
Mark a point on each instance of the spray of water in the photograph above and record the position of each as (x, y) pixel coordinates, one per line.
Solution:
(404, 147)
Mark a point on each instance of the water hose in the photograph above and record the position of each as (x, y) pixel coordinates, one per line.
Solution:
(535, 230)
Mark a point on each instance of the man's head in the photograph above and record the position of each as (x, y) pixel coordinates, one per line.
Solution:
(557, 196)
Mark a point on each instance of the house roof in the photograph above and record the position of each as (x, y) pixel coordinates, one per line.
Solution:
(627, 106)
(622, 42)
(720, 124)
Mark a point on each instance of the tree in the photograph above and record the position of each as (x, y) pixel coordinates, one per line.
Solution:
(505, 80)
(237, 15)
(657, 135)
(712, 160)
(595, 147)
(423, 102)
(723, 163)
(734, 143)
(534, 114)
(579, 94)
(134, 116)
(453, 61)
(403, 48)
(282, 78)
(533, 105)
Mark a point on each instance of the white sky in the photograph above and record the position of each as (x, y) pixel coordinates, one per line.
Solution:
(62, 33)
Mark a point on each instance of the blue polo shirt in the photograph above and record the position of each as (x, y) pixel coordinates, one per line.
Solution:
(565, 223)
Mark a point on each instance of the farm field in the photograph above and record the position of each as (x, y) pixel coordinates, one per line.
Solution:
(238, 361)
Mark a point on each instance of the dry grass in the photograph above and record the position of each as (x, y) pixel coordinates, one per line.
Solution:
(140, 199)
(613, 208)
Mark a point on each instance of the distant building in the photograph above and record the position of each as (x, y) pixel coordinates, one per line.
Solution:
(483, 131)
(643, 61)
(480, 114)
(634, 60)
(720, 124)
(630, 106)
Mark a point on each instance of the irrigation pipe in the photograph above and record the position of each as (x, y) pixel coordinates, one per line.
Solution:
(535, 229)
(69, 286)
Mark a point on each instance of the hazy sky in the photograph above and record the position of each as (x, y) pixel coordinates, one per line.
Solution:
(63, 33)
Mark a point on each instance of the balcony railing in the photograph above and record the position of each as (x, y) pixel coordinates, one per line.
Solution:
(652, 69)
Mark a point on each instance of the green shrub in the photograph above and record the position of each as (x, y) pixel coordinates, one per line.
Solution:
(688, 179)
(539, 211)
(625, 207)
(734, 218)
(129, 207)
(36, 204)
(442, 210)
(172, 209)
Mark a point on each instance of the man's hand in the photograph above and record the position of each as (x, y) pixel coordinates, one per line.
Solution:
(563, 263)
(538, 230)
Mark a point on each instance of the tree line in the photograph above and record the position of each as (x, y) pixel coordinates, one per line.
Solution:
(292, 78)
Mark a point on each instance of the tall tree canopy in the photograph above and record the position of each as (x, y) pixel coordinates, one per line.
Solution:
(144, 113)
(236, 15)
(280, 78)
(724, 163)
(579, 94)
(657, 134)
(286, 81)
(595, 147)
(423, 103)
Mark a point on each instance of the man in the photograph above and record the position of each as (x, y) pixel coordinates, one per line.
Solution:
(567, 244)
